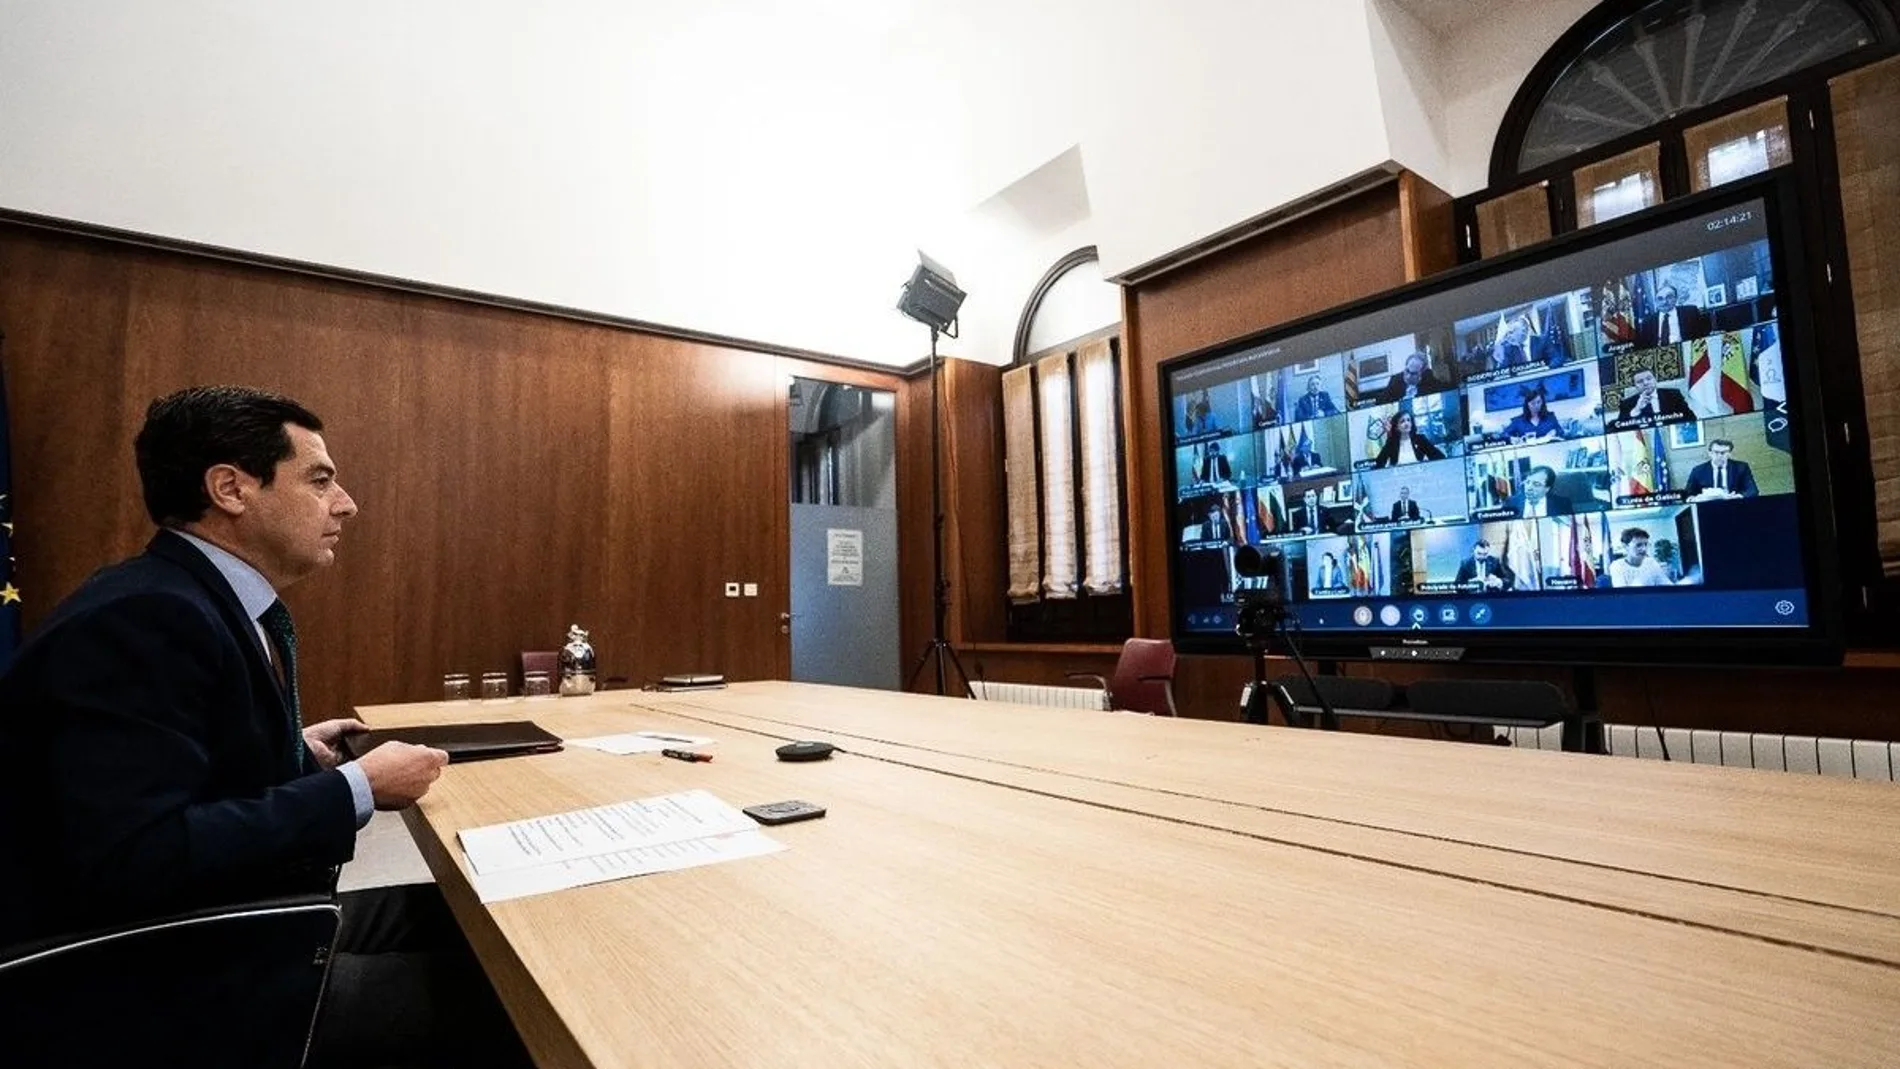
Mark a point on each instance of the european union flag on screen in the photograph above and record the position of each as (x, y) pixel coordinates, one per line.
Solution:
(9, 594)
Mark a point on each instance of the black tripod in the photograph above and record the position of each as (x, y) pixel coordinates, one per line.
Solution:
(938, 648)
(1259, 692)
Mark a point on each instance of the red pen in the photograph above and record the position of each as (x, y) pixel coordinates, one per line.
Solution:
(685, 755)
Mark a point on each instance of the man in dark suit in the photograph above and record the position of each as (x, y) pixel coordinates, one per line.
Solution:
(1673, 323)
(1405, 509)
(1483, 572)
(1215, 468)
(1315, 403)
(156, 760)
(1535, 500)
(1721, 476)
(1646, 402)
(1415, 380)
(1309, 516)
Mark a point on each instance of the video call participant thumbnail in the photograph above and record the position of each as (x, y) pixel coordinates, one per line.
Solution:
(1721, 477)
(1485, 572)
(1534, 499)
(1415, 378)
(1315, 401)
(1636, 567)
(1648, 403)
(1675, 320)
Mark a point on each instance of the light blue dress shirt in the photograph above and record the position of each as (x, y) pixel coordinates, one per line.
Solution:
(255, 593)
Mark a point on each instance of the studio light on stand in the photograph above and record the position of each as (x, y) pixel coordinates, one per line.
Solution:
(932, 298)
(1262, 617)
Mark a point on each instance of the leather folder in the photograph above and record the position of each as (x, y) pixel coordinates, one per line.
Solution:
(464, 742)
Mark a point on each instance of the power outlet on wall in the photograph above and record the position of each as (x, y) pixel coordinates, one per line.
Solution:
(752, 590)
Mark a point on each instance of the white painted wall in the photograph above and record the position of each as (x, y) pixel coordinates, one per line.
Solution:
(1409, 59)
(1484, 64)
(655, 159)
(1222, 110)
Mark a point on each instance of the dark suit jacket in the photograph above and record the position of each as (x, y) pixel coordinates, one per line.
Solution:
(1554, 505)
(146, 758)
(1668, 399)
(1216, 469)
(1740, 479)
(1394, 388)
(1468, 572)
(1313, 406)
(1694, 323)
(1405, 510)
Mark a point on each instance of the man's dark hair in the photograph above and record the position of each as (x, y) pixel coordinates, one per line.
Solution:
(1724, 443)
(188, 432)
(1485, 542)
(1549, 474)
(1633, 534)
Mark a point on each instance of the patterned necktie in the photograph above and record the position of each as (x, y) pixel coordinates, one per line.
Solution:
(283, 633)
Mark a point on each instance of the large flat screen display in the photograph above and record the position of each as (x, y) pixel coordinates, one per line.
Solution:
(1602, 450)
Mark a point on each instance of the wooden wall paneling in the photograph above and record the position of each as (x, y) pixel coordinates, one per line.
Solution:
(63, 312)
(697, 440)
(1427, 229)
(914, 525)
(973, 482)
(516, 473)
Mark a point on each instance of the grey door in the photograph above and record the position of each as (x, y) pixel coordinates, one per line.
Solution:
(844, 535)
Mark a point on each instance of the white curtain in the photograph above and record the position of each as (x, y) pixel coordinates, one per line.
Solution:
(1097, 405)
(1019, 478)
(1054, 401)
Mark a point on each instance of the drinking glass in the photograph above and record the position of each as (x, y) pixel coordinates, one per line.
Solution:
(455, 687)
(536, 685)
(494, 685)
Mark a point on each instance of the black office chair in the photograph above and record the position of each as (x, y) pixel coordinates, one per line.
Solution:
(1349, 693)
(116, 997)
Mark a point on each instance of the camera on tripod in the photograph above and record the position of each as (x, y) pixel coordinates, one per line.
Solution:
(1260, 595)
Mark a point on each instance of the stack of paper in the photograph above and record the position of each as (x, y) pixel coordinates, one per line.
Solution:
(609, 842)
(640, 742)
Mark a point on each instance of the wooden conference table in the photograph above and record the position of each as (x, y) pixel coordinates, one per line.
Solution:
(1004, 885)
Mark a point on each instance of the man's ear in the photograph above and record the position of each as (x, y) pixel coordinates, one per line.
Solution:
(226, 485)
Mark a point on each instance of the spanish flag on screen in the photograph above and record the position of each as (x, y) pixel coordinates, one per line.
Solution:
(9, 594)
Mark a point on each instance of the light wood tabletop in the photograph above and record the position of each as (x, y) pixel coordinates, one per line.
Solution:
(942, 916)
(1806, 838)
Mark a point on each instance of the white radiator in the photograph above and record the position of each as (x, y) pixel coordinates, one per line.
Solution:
(1869, 759)
(1037, 694)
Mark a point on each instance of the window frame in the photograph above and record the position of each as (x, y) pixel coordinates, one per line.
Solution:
(1085, 617)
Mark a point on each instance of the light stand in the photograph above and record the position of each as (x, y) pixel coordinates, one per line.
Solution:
(932, 298)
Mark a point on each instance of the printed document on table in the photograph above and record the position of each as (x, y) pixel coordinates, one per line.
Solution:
(670, 857)
(607, 829)
(640, 742)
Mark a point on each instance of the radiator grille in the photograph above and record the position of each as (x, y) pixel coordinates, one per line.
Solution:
(1868, 759)
(1037, 694)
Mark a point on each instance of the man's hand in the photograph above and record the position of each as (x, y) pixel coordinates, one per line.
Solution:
(324, 741)
(401, 772)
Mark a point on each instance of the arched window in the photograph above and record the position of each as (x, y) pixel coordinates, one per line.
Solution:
(1063, 470)
(1612, 77)
(1645, 100)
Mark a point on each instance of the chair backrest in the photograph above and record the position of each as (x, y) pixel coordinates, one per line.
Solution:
(1476, 699)
(548, 661)
(1143, 676)
(236, 985)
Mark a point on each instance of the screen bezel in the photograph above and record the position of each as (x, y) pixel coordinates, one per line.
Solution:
(1818, 643)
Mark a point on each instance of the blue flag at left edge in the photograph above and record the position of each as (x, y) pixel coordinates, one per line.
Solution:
(9, 594)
